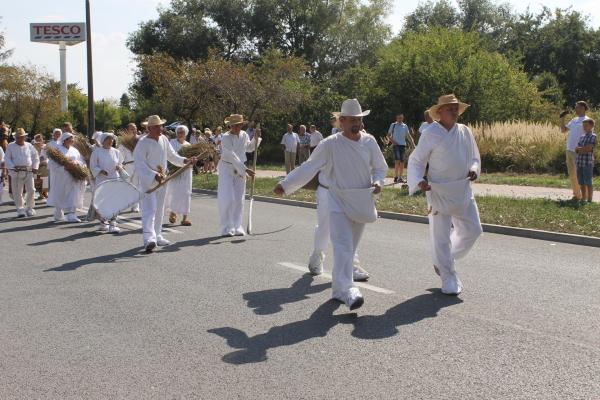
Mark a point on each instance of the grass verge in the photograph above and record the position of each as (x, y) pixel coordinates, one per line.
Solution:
(549, 215)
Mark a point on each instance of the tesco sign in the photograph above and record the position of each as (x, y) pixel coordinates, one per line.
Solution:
(57, 32)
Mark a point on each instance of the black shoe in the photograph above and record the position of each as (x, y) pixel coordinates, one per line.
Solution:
(396, 179)
(357, 303)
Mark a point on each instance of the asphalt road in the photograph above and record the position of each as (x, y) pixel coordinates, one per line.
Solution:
(87, 315)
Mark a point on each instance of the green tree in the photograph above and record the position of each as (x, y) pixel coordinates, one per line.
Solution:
(415, 69)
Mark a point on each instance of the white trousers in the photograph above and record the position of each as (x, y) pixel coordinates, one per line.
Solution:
(452, 236)
(153, 208)
(230, 195)
(18, 181)
(345, 235)
(322, 228)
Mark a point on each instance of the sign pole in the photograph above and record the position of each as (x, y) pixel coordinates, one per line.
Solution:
(91, 119)
(64, 100)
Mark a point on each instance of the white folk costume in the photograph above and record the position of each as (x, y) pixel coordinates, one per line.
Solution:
(349, 168)
(129, 166)
(151, 157)
(20, 161)
(107, 160)
(179, 189)
(454, 223)
(232, 181)
(66, 193)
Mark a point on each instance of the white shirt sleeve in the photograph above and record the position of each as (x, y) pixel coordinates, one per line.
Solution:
(35, 157)
(301, 175)
(476, 162)
(379, 165)
(9, 158)
(173, 157)
(95, 163)
(417, 162)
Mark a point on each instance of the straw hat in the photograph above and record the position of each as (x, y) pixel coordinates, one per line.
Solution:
(207, 130)
(447, 99)
(155, 120)
(19, 133)
(234, 119)
(352, 108)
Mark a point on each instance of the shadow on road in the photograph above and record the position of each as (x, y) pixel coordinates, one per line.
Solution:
(409, 312)
(254, 349)
(82, 235)
(270, 301)
(108, 258)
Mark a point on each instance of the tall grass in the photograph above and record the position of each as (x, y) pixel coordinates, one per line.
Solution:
(521, 147)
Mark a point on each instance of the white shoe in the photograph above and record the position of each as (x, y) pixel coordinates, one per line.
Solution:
(451, 285)
(163, 242)
(58, 215)
(103, 227)
(228, 233)
(114, 229)
(315, 263)
(71, 217)
(239, 232)
(359, 274)
(20, 213)
(352, 298)
(30, 212)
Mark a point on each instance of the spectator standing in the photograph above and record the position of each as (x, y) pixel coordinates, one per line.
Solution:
(303, 144)
(315, 137)
(290, 142)
(585, 159)
(397, 133)
(574, 130)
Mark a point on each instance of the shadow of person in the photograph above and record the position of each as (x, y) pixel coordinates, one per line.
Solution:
(409, 312)
(28, 227)
(82, 235)
(108, 258)
(270, 301)
(254, 349)
(176, 246)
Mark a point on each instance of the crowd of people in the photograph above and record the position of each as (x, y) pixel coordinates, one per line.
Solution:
(348, 166)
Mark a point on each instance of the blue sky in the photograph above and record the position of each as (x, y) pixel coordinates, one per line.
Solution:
(112, 20)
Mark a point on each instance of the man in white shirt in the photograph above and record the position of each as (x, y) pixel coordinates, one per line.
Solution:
(353, 168)
(150, 155)
(454, 162)
(574, 130)
(22, 161)
(290, 143)
(315, 137)
(232, 171)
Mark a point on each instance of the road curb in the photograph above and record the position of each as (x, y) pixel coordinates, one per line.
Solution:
(580, 240)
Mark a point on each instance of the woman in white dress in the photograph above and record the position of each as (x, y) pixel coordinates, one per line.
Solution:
(179, 190)
(105, 163)
(66, 193)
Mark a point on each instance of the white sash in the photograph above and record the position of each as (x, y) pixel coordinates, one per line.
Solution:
(357, 204)
(450, 198)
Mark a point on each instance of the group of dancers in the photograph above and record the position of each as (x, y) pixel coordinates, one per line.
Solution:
(349, 166)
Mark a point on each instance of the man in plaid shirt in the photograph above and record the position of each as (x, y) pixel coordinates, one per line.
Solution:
(585, 159)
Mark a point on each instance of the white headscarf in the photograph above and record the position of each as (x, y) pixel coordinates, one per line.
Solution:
(63, 137)
(102, 136)
(185, 128)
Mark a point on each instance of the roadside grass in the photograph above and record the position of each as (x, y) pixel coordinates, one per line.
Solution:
(543, 180)
(558, 216)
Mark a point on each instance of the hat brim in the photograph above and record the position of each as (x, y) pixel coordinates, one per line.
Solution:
(229, 122)
(162, 122)
(433, 110)
(362, 114)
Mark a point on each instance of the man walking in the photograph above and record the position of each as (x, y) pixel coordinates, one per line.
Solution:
(397, 133)
(351, 164)
(454, 162)
(22, 161)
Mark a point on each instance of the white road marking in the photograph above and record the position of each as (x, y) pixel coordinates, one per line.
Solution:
(328, 276)
(134, 224)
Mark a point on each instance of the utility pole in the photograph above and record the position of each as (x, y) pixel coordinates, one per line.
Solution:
(91, 118)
